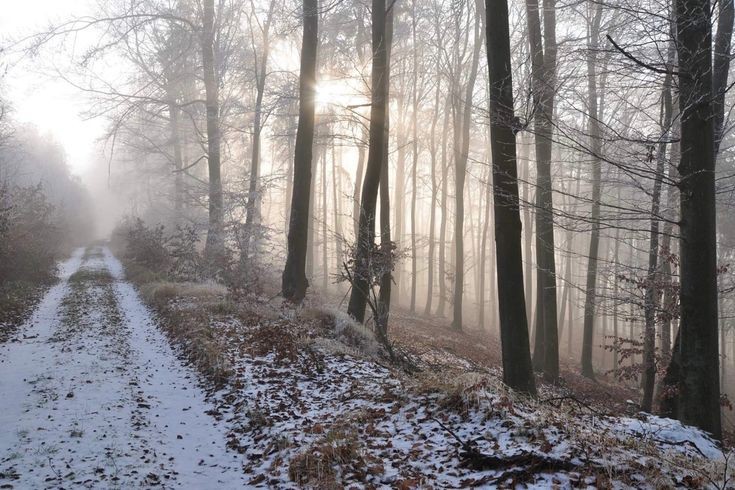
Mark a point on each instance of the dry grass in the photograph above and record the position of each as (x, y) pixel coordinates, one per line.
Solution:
(98, 276)
(204, 346)
(187, 311)
(161, 292)
(334, 458)
(457, 391)
(355, 338)
(141, 275)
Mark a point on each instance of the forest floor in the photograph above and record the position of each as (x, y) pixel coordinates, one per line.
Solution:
(197, 388)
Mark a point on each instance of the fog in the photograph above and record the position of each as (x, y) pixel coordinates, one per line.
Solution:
(196, 117)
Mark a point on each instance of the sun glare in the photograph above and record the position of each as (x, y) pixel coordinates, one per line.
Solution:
(336, 95)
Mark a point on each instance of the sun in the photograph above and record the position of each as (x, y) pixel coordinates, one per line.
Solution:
(337, 94)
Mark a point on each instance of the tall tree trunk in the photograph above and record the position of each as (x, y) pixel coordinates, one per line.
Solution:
(527, 225)
(484, 246)
(336, 196)
(325, 214)
(291, 138)
(567, 281)
(361, 154)
(694, 365)
(651, 296)
(669, 298)
(721, 67)
(460, 165)
(174, 113)
(434, 187)
(415, 162)
(386, 244)
(366, 232)
(215, 244)
(445, 217)
(517, 370)
(596, 144)
(400, 190)
(543, 63)
(723, 353)
(361, 40)
(252, 216)
(616, 288)
(294, 282)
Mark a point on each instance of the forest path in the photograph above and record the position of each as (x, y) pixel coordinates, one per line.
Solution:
(92, 395)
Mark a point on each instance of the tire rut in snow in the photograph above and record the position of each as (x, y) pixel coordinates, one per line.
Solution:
(103, 400)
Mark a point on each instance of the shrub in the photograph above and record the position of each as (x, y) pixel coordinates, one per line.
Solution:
(147, 245)
(156, 256)
(186, 263)
(29, 235)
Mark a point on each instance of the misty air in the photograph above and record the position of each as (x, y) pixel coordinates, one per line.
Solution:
(367, 244)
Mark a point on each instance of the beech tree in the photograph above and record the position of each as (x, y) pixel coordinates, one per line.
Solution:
(543, 62)
(368, 201)
(693, 374)
(517, 369)
(294, 282)
(215, 246)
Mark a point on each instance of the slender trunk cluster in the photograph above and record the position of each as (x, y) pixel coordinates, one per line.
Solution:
(361, 281)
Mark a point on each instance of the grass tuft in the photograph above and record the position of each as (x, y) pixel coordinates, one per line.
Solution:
(98, 276)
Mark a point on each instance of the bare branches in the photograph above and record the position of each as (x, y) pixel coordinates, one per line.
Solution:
(648, 66)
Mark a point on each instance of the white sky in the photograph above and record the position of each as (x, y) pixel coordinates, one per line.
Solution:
(36, 96)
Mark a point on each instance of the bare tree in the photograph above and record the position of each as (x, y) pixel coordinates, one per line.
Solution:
(294, 282)
(368, 201)
(693, 373)
(543, 62)
(215, 245)
(517, 369)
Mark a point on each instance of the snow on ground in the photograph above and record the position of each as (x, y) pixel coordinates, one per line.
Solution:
(309, 415)
(92, 394)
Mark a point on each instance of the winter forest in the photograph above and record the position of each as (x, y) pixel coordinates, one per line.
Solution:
(367, 244)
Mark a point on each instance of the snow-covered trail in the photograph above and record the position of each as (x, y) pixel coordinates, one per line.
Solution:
(92, 395)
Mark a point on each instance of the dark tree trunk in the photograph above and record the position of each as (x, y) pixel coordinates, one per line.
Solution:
(366, 232)
(291, 138)
(543, 57)
(294, 275)
(361, 40)
(361, 153)
(694, 366)
(386, 245)
(517, 370)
